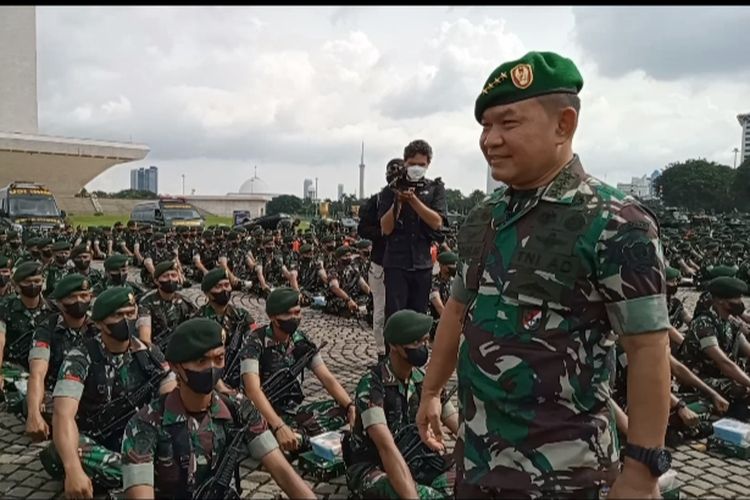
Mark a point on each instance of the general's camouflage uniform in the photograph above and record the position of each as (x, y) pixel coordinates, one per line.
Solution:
(381, 398)
(93, 376)
(570, 262)
(157, 435)
(264, 356)
(19, 324)
(163, 316)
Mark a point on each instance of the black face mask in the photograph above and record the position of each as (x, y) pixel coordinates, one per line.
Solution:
(47, 254)
(289, 326)
(168, 286)
(366, 255)
(417, 356)
(736, 308)
(221, 298)
(451, 271)
(122, 330)
(204, 381)
(61, 259)
(15, 244)
(4, 279)
(330, 248)
(31, 291)
(35, 253)
(159, 244)
(77, 310)
(671, 289)
(81, 264)
(306, 258)
(269, 249)
(116, 278)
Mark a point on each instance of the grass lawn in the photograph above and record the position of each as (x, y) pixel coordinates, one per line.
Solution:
(109, 220)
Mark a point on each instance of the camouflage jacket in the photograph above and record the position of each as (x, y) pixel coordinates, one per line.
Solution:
(53, 339)
(273, 268)
(348, 277)
(309, 275)
(675, 312)
(19, 324)
(567, 263)
(52, 274)
(707, 330)
(151, 451)
(440, 288)
(163, 316)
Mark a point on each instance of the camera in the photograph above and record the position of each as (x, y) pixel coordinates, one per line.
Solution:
(398, 178)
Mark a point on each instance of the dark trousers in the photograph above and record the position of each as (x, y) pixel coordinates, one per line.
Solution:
(407, 290)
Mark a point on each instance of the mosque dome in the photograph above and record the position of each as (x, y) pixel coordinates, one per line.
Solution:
(254, 185)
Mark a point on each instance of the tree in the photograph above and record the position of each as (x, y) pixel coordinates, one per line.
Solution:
(741, 186)
(473, 200)
(455, 200)
(697, 184)
(285, 203)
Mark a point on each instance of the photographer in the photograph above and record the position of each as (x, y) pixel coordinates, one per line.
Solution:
(412, 211)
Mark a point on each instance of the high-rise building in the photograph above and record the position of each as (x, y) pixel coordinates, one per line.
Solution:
(745, 123)
(306, 191)
(341, 192)
(145, 179)
(362, 173)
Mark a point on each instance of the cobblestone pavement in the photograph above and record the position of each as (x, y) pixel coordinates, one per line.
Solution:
(350, 349)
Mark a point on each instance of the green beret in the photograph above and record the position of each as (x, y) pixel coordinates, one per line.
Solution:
(281, 300)
(193, 338)
(712, 246)
(343, 250)
(163, 267)
(213, 277)
(673, 274)
(110, 300)
(59, 246)
(362, 244)
(32, 242)
(78, 251)
(43, 242)
(718, 271)
(447, 258)
(406, 326)
(737, 246)
(70, 284)
(306, 248)
(26, 270)
(115, 261)
(4, 261)
(533, 75)
(725, 287)
(328, 239)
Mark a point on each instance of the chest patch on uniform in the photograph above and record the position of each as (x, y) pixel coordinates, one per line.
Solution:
(531, 319)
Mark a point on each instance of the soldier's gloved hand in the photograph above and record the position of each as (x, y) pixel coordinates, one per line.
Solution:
(78, 485)
(36, 428)
(287, 439)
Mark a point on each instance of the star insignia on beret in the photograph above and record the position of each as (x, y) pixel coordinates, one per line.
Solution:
(494, 83)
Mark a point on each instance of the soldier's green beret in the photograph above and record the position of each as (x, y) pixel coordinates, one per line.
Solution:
(32, 242)
(233, 236)
(26, 270)
(60, 246)
(306, 248)
(4, 261)
(78, 251)
(737, 246)
(713, 245)
(115, 261)
(447, 258)
(328, 238)
(193, 338)
(533, 75)
(343, 250)
(212, 278)
(163, 267)
(43, 242)
(281, 300)
(110, 300)
(267, 239)
(406, 326)
(719, 271)
(725, 287)
(70, 284)
(673, 274)
(362, 244)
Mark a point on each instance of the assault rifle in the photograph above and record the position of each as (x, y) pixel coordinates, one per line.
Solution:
(231, 368)
(18, 350)
(282, 389)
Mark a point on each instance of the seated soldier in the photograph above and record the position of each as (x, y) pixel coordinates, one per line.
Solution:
(52, 340)
(345, 285)
(387, 399)
(275, 347)
(237, 322)
(271, 270)
(81, 257)
(58, 268)
(159, 452)
(312, 277)
(161, 310)
(6, 288)
(116, 274)
(441, 287)
(110, 367)
(678, 316)
(714, 346)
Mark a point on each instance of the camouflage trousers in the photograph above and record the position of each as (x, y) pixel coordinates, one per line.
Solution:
(316, 418)
(366, 480)
(733, 392)
(13, 397)
(101, 464)
(467, 490)
(678, 431)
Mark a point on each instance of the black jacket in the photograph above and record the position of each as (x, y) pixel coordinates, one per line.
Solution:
(369, 228)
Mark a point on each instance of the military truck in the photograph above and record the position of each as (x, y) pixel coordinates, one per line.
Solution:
(167, 212)
(29, 207)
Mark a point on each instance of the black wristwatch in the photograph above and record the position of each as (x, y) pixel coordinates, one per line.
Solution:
(658, 460)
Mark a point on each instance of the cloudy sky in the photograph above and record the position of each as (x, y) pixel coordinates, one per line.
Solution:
(294, 90)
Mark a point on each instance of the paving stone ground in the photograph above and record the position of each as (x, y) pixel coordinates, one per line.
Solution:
(350, 349)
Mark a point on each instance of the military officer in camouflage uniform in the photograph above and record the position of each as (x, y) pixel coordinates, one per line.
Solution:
(6, 287)
(362, 261)
(172, 445)
(312, 277)
(236, 321)
(108, 366)
(271, 270)
(19, 316)
(387, 398)
(52, 340)
(716, 348)
(116, 274)
(45, 251)
(547, 268)
(14, 249)
(58, 268)
(329, 251)
(273, 347)
(161, 310)
(678, 316)
(441, 287)
(345, 285)
(81, 257)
